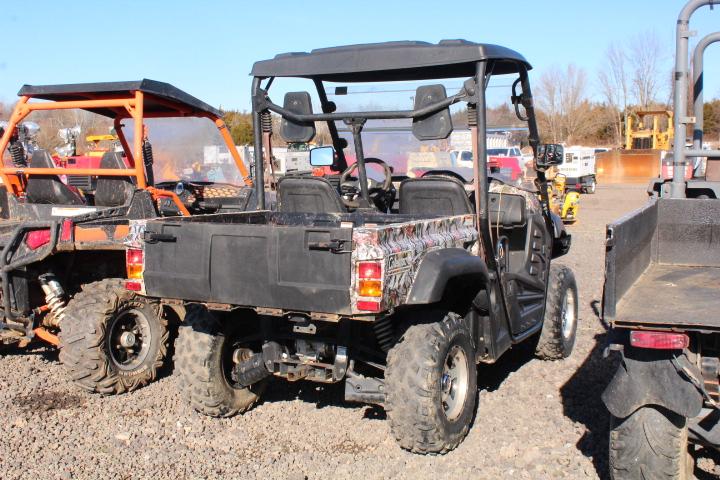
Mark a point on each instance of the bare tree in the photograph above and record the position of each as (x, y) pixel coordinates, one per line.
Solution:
(646, 57)
(562, 99)
(614, 85)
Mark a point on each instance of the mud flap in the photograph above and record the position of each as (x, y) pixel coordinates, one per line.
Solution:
(647, 377)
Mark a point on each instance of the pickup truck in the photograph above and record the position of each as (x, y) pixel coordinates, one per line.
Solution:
(661, 299)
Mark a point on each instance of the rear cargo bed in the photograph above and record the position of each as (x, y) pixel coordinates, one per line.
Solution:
(662, 266)
(672, 294)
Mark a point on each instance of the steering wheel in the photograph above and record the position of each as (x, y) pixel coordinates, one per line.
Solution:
(381, 194)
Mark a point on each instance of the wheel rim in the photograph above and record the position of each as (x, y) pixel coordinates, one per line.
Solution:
(568, 314)
(129, 339)
(454, 382)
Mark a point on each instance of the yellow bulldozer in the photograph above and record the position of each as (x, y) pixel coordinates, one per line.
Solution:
(643, 136)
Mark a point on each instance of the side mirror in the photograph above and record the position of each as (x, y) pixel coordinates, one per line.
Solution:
(322, 156)
(299, 103)
(549, 154)
(438, 125)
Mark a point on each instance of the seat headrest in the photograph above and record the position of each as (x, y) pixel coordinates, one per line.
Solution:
(434, 196)
(308, 195)
(41, 159)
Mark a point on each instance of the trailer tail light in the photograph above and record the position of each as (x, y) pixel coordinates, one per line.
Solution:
(35, 239)
(134, 263)
(133, 286)
(659, 340)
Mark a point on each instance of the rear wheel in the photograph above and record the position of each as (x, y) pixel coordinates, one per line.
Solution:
(203, 357)
(111, 339)
(431, 385)
(650, 443)
(557, 337)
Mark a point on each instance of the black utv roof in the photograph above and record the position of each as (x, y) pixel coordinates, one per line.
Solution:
(405, 60)
(173, 100)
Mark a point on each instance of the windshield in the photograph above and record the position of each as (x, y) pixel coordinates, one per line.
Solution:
(188, 149)
(393, 142)
(497, 151)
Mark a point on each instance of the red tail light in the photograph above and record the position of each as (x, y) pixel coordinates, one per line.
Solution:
(369, 285)
(134, 263)
(37, 238)
(371, 270)
(659, 340)
(66, 230)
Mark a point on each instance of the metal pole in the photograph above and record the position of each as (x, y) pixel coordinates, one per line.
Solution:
(682, 33)
(698, 60)
(259, 179)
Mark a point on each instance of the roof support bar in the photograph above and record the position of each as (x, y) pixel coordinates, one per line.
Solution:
(698, 60)
(682, 33)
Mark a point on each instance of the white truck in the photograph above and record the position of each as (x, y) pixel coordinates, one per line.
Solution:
(579, 168)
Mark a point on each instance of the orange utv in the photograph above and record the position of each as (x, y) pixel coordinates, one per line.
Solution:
(63, 255)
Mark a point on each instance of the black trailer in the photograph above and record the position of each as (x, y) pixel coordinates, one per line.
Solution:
(662, 300)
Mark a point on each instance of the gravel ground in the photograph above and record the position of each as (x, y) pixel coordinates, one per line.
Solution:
(535, 419)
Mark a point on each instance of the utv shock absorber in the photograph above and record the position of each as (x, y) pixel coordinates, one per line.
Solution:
(472, 115)
(17, 153)
(54, 297)
(266, 121)
(148, 160)
(385, 333)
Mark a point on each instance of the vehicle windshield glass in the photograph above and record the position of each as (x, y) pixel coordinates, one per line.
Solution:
(188, 149)
(393, 141)
(497, 151)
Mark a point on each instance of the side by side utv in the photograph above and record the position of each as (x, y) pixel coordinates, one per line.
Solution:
(397, 286)
(63, 228)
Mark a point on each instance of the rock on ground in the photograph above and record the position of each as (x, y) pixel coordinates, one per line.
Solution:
(536, 420)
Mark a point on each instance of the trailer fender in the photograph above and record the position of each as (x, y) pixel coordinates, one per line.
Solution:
(440, 268)
(647, 377)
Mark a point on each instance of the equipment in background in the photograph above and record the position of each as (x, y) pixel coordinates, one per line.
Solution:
(564, 200)
(644, 137)
(579, 169)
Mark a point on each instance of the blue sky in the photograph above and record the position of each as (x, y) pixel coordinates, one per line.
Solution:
(207, 48)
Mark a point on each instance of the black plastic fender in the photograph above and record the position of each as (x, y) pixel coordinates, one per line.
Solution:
(649, 377)
(439, 267)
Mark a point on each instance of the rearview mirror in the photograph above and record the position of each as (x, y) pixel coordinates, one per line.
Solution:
(549, 154)
(322, 156)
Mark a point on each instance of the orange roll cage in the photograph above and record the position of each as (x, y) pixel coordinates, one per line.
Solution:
(124, 105)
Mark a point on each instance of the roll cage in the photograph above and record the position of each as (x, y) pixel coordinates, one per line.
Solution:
(397, 61)
(137, 100)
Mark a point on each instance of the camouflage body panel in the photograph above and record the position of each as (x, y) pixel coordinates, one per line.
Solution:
(400, 247)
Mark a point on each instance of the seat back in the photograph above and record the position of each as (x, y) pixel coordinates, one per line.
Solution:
(49, 189)
(308, 195)
(113, 191)
(434, 196)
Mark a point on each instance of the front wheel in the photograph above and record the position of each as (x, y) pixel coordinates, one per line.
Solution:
(431, 385)
(650, 443)
(557, 337)
(111, 339)
(203, 357)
